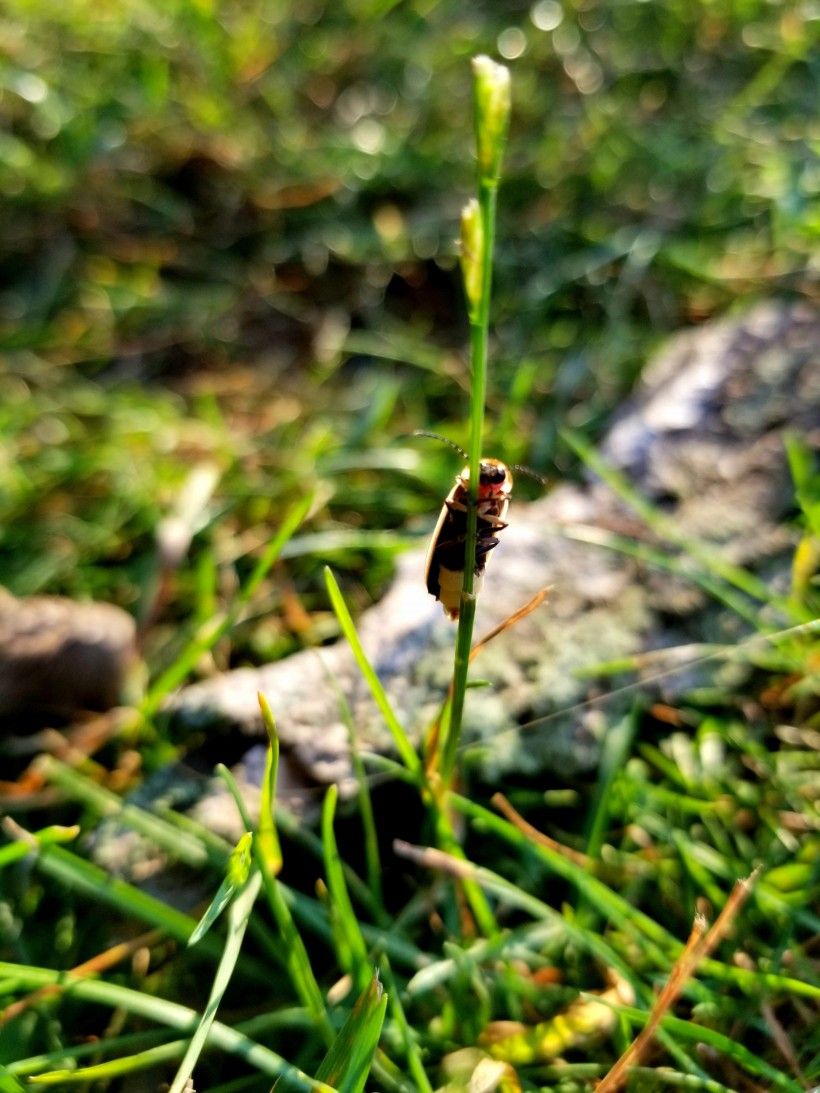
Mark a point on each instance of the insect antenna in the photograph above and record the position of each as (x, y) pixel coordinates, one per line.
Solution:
(530, 473)
(443, 439)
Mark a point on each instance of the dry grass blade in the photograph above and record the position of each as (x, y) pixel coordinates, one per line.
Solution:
(98, 964)
(781, 1038)
(701, 942)
(74, 746)
(517, 820)
(431, 858)
(511, 620)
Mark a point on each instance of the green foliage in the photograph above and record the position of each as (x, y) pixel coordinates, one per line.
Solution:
(230, 284)
(162, 162)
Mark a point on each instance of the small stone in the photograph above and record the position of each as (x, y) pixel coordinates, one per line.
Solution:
(59, 657)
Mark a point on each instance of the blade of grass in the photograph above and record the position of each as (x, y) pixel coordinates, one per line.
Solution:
(352, 950)
(21, 847)
(235, 881)
(411, 1048)
(238, 915)
(667, 528)
(267, 848)
(293, 952)
(132, 1041)
(165, 1051)
(181, 845)
(371, 841)
(347, 1064)
(214, 629)
(159, 1010)
(241, 807)
(400, 739)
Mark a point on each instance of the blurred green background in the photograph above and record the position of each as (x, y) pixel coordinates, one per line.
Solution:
(228, 247)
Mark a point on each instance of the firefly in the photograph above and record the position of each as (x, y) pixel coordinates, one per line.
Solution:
(444, 570)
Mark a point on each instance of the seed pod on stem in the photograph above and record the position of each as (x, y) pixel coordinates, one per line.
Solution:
(472, 255)
(492, 115)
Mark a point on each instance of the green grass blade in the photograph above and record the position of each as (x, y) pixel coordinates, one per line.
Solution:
(214, 629)
(614, 754)
(158, 1010)
(667, 528)
(491, 83)
(235, 880)
(132, 1041)
(268, 849)
(371, 841)
(48, 836)
(238, 915)
(230, 782)
(293, 952)
(400, 739)
(296, 959)
(352, 949)
(411, 1047)
(8, 1083)
(181, 845)
(347, 1064)
(144, 1054)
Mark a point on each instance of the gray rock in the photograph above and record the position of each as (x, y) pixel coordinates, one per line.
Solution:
(59, 657)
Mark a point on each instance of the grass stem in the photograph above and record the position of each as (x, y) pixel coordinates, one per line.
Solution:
(478, 236)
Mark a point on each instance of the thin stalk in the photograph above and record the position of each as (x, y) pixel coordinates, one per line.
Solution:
(479, 339)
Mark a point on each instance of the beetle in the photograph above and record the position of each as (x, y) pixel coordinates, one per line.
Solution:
(444, 569)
